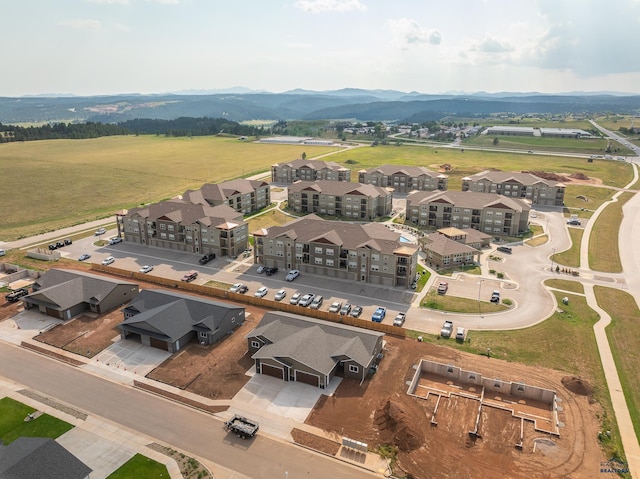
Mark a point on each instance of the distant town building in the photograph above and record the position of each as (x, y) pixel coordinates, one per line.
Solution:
(340, 198)
(309, 170)
(510, 130)
(297, 140)
(244, 196)
(525, 186)
(404, 178)
(565, 133)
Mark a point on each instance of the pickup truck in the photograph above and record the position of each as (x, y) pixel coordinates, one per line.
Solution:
(206, 258)
(16, 294)
(242, 427)
(447, 329)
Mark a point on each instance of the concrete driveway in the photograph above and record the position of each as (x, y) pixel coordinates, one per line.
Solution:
(128, 357)
(25, 325)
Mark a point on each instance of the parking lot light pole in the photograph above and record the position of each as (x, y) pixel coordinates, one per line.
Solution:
(479, 291)
(552, 255)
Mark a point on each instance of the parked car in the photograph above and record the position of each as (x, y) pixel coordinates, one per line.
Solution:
(261, 292)
(16, 294)
(345, 310)
(356, 311)
(280, 295)
(574, 222)
(236, 287)
(84, 257)
(399, 319)
(68, 241)
(335, 307)
(206, 258)
(447, 329)
(261, 269)
(115, 240)
(505, 249)
(108, 260)
(306, 300)
(100, 231)
(190, 276)
(443, 286)
(243, 289)
(2, 252)
(495, 296)
(291, 275)
(271, 271)
(147, 268)
(379, 314)
(295, 299)
(53, 246)
(317, 302)
(460, 334)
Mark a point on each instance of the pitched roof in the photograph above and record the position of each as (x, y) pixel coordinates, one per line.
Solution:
(339, 188)
(170, 315)
(180, 211)
(216, 193)
(313, 164)
(29, 457)
(440, 244)
(62, 289)
(315, 343)
(412, 171)
(526, 179)
(468, 199)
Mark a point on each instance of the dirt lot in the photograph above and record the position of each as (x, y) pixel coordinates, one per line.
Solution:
(380, 412)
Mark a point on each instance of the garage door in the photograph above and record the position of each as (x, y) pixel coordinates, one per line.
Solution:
(157, 343)
(307, 378)
(272, 371)
(53, 313)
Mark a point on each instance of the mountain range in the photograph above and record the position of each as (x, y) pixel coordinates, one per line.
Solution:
(241, 104)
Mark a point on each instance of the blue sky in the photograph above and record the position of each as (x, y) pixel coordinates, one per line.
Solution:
(91, 47)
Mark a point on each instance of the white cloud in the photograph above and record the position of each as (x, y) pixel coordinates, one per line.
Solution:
(109, 2)
(165, 2)
(122, 27)
(406, 32)
(324, 6)
(82, 24)
(492, 45)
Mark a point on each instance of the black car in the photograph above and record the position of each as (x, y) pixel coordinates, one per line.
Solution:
(271, 271)
(68, 242)
(243, 289)
(206, 258)
(60, 244)
(53, 246)
(504, 249)
(15, 295)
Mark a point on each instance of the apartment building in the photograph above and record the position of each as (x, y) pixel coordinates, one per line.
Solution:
(339, 198)
(368, 253)
(244, 196)
(525, 186)
(309, 170)
(487, 212)
(182, 226)
(404, 178)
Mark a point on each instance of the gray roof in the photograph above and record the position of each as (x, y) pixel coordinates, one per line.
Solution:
(527, 179)
(215, 193)
(317, 344)
(311, 228)
(42, 458)
(61, 289)
(165, 314)
(468, 199)
(411, 171)
(339, 188)
(313, 164)
(440, 244)
(183, 212)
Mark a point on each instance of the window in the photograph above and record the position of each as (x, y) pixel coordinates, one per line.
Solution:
(353, 368)
(329, 252)
(317, 250)
(329, 262)
(172, 237)
(318, 260)
(255, 344)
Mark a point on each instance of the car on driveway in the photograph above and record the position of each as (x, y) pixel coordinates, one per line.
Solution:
(295, 299)
(291, 275)
(443, 286)
(261, 292)
(100, 231)
(335, 307)
(317, 302)
(16, 294)
(306, 300)
(345, 310)
(84, 257)
(280, 295)
(190, 276)
(399, 319)
(147, 268)
(378, 315)
(108, 260)
(356, 312)
(447, 329)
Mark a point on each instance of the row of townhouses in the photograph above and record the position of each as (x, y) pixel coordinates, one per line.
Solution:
(339, 198)
(404, 178)
(244, 196)
(309, 170)
(368, 253)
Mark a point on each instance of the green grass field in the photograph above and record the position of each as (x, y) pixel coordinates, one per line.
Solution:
(456, 304)
(604, 254)
(55, 183)
(140, 467)
(588, 146)
(565, 285)
(13, 425)
(570, 257)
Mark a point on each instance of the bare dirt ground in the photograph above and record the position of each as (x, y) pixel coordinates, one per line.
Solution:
(7, 309)
(380, 412)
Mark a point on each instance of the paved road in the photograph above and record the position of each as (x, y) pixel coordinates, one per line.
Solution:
(185, 428)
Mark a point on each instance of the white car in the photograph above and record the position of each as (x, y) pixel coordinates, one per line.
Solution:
(295, 299)
(236, 287)
(260, 269)
(291, 275)
(280, 295)
(262, 292)
(108, 260)
(115, 240)
(100, 231)
(146, 269)
(335, 307)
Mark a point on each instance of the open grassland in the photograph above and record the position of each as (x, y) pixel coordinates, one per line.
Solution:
(589, 146)
(623, 334)
(604, 254)
(587, 198)
(565, 285)
(534, 122)
(456, 304)
(55, 183)
(570, 257)
(614, 122)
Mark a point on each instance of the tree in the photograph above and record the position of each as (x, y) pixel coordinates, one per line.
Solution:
(304, 155)
(496, 141)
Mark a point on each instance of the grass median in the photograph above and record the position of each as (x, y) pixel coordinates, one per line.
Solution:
(604, 254)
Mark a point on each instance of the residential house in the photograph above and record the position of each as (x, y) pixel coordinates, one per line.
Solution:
(487, 212)
(525, 186)
(39, 457)
(309, 170)
(368, 253)
(404, 178)
(169, 320)
(340, 198)
(311, 351)
(62, 293)
(244, 196)
(179, 225)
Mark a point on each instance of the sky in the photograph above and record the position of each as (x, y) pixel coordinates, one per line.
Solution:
(100, 47)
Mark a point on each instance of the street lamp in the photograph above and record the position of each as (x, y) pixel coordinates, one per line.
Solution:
(554, 253)
(479, 291)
